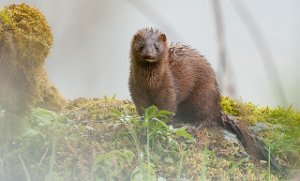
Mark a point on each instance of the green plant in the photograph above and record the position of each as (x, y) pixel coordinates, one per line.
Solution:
(112, 164)
(153, 125)
(180, 166)
(204, 164)
(160, 138)
(44, 124)
(44, 129)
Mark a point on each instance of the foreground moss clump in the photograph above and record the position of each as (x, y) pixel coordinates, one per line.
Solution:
(104, 139)
(25, 41)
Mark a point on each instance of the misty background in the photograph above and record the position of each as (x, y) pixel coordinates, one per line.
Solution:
(90, 54)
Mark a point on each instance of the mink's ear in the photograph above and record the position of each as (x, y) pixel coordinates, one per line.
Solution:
(162, 37)
(137, 36)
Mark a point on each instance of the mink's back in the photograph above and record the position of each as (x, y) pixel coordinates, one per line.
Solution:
(190, 71)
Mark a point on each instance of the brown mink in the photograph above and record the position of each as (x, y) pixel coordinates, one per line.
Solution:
(180, 80)
(177, 79)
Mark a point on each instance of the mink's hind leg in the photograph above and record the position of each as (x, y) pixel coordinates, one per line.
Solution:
(207, 104)
(186, 112)
(201, 108)
(189, 113)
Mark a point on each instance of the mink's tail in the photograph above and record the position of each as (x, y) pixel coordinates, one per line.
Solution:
(252, 144)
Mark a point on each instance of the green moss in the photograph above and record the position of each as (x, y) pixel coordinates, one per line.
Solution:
(283, 134)
(247, 112)
(5, 17)
(251, 113)
(25, 41)
(31, 34)
(99, 109)
(49, 96)
(229, 106)
(88, 137)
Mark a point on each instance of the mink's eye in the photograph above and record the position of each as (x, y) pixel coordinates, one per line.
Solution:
(140, 46)
(156, 45)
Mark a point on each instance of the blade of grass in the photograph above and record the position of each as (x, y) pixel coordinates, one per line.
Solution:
(52, 161)
(204, 160)
(41, 161)
(24, 168)
(179, 172)
(269, 163)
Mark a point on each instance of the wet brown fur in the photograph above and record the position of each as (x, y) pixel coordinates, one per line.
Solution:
(180, 80)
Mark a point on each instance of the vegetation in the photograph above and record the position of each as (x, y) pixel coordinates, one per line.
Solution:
(25, 40)
(281, 128)
(104, 139)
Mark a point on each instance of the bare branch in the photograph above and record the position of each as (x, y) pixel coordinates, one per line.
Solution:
(223, 67)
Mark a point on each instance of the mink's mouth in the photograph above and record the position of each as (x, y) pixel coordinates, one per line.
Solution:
(150, 60)
(147, 61)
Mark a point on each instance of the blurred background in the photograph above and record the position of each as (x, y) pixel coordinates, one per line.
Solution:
(252, 45)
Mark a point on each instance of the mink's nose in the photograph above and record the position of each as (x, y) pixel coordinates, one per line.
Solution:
(148, 57)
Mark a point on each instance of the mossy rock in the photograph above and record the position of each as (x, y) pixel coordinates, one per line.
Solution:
(50, 97)
(30, 33)
(25, 41)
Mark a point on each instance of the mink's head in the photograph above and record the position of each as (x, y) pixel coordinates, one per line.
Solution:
(148, 46)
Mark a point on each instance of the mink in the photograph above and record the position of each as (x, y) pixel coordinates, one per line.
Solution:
(176, 78)
(179, 79)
